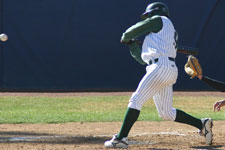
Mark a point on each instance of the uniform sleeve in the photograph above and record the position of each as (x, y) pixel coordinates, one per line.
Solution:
(153, 24)
(135, 52)
(214, 83)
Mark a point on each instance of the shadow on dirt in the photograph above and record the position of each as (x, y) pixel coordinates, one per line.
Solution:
(44, 138)
(216, 147)
(159, 149)
(15, 133)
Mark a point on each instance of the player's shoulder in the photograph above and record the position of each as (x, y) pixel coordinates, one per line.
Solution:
(155, 22)
(155, 18)
(166, 20)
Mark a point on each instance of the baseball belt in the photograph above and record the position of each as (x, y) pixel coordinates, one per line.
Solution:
(157, 59)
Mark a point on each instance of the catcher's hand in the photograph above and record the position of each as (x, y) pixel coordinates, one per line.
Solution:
(192, 67)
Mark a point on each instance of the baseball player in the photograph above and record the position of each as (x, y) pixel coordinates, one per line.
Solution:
(158, 52)
(217, 85)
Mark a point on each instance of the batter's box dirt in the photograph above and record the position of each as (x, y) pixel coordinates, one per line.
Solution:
(164, 135)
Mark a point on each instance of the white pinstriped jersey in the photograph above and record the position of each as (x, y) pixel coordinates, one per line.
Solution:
(162, 43)
(161, 75)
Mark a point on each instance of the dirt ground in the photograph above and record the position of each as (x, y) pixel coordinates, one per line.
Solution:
(164, 135)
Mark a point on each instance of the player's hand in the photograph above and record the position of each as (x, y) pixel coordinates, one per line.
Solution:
(218, 105)
(128, 42)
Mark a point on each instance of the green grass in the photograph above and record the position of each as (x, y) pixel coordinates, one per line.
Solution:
(92, 109)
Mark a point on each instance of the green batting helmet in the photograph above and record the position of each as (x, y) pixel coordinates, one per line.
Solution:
(156, 8)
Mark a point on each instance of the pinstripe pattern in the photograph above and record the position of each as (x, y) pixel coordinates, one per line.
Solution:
(161, 43)
(160, 77)
(164, 104)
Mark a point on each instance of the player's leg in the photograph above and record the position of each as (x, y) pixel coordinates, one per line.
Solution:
(204, 125)
(149, 85)
(164, 104)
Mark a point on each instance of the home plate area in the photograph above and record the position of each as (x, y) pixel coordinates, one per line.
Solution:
(162, 135)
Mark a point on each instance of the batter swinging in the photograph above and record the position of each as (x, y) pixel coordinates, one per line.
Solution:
(158, 52)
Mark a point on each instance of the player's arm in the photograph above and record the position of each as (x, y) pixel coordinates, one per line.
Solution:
(135, 52)
(213, 83)
(149, 25)
(144, 27)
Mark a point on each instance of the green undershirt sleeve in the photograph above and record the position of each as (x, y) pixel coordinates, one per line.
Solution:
(146, 26)
(135, 52)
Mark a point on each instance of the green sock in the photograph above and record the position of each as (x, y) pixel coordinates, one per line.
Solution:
(183, 117)
(130, 118)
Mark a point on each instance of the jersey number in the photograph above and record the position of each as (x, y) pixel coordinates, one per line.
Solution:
(175, 39)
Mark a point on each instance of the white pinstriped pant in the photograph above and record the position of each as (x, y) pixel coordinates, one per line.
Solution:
(157, 84)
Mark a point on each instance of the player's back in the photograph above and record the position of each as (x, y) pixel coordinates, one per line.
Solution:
(162, 43)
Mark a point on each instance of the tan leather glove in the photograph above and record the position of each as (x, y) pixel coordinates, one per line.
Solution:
(192, 67)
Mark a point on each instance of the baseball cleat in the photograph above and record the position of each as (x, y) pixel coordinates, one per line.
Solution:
(116, 143)
(207, 130)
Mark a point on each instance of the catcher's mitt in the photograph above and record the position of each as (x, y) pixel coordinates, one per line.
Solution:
(192, 67)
